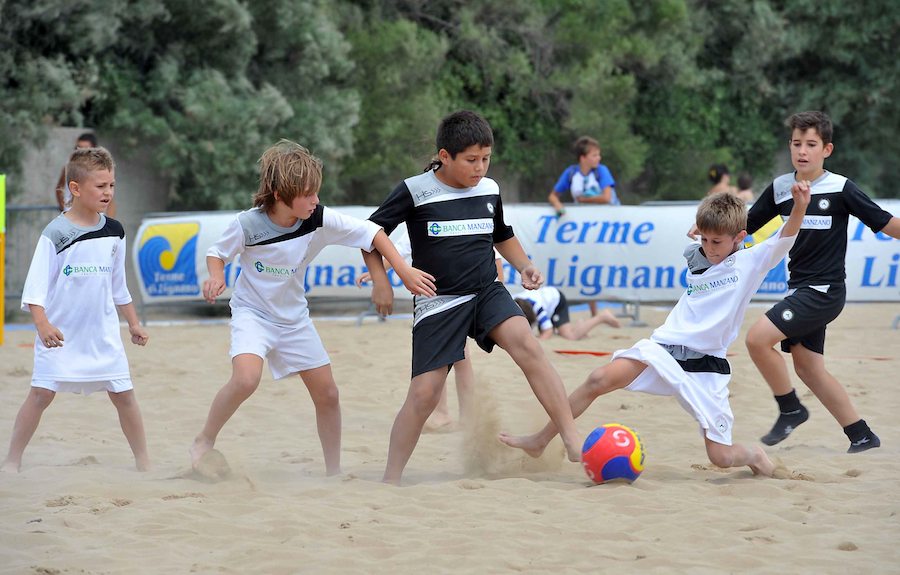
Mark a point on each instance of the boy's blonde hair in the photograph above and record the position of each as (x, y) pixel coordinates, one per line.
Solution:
(83, 161)
(288, 170)
(722, 213)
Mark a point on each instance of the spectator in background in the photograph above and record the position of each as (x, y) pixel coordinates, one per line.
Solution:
(63, 195)
(588, 181)
(720, 177)
(745, 188)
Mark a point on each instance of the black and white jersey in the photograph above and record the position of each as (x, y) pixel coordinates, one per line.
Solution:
(274, 259)
(77, 275)
(817, 258)
(452, 230)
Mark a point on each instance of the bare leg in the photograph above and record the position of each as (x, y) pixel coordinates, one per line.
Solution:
(737, 455)
(132, 426)
(440, 417)
(27, 420)
(245, 375)
(614, 375)
(464, 377)
(423, 395)
(592, 305)
(810, 367)
(514, 336)
(579, 329)
(324, 393)
(761, 341)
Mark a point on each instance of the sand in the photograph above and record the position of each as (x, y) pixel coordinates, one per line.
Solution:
(468, 504)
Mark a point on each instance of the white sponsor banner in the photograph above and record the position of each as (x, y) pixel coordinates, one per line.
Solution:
(592, 253)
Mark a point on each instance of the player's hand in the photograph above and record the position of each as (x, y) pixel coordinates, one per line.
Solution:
(801, 192)
(694, 233)
(531, 277)
(365, 278)
(417, 281)
(50, 335)
(383, 298)
(213, 288)
(139, 335)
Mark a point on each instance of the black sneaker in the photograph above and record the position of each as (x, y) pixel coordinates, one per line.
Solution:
(785, 425)
(870, 441)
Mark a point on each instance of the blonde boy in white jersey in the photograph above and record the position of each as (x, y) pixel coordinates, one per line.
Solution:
(275, 242)
(75, 282)
(685, 357)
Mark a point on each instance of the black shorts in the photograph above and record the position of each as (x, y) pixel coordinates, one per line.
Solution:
(561, 314)
(804, 315)
(442, 323)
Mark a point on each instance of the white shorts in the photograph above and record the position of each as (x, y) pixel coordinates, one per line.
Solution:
(288, 349)
(704, 395)
(85, 387)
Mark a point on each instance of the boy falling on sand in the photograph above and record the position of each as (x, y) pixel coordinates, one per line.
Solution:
(275, 242)
(685, 357)
(74, 285)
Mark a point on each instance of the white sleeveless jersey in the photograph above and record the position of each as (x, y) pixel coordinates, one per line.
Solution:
(274, 259)
(77, 275)
(708, 316)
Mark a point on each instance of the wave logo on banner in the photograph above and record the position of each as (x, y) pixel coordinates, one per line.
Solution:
(776, 280)
(168, 259)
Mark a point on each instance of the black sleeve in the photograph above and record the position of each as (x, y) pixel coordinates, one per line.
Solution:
(394, 210)
(762, 210)
(862, 206)
(502, 232)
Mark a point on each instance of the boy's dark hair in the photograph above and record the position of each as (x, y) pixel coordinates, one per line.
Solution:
(87, 137)
(528, 310)
(819, 121)
(83, 161)
(583, 145)
(462, 129)
(288, 170)
(744, 182)
(717, 172)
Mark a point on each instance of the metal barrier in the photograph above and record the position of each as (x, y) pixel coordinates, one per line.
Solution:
(24, 225)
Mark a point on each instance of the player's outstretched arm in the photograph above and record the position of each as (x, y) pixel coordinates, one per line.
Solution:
(382, 292)
(892, 228)
(800, 191)
(512, 251)
(415, 280)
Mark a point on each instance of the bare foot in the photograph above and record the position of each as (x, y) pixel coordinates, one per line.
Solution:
(142, 464)
(198, 449)
(9, 466)
(762, 465)
(437, 423)
(530, 444)
(609, 319)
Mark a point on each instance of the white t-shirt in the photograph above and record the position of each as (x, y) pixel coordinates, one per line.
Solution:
(544, 301)
(709, 313)
(77, 275)
(274, 259)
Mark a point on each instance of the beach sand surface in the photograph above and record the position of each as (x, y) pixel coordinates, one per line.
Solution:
(469, 504)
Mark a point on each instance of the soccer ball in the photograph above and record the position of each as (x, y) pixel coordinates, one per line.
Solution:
(612, 452)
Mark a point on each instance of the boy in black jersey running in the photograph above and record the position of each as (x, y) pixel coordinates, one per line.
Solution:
(455, 218)
(816, 281)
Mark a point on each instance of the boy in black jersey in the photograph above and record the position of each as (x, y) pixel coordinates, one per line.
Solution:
(816, 281)
(455, 218)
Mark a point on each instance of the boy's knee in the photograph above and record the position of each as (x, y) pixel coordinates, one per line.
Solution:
(245, 384)
(41, 397)
(327, 396)
(425, 397)
(597, 381)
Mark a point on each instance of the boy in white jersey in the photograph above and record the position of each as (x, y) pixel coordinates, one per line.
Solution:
(685, 357)
(817, 291)
(454, 217)
(75, 282)
(547, 309)
(275, 242)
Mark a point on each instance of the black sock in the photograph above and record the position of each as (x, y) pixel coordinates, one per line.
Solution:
(788, 403)
(857, 431)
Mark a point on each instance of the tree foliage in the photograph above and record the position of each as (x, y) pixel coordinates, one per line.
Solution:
(667, 86)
